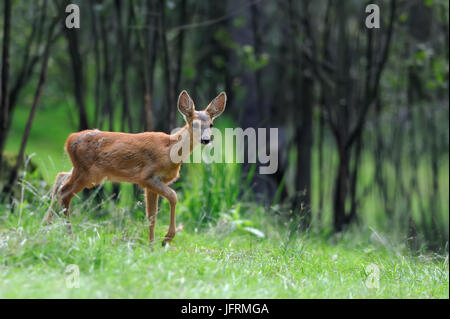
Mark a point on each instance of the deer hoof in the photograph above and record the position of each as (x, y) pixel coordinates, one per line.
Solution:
(47, 221)
(167, 239)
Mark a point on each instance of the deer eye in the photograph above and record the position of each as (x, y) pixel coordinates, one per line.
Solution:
(210, 125)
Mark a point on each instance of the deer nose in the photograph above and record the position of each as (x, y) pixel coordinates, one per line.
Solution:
(205, 141)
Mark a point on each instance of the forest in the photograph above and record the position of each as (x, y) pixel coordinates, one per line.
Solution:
(359, 101)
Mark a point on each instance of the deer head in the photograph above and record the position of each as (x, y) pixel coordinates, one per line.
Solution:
(201, 122)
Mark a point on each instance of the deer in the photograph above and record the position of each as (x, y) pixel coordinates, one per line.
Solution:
(141, 158)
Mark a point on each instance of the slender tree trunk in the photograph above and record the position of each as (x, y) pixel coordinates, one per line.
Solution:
(28, 62)
(320, 145)
(180, 46)
(124, 41)
(302, 109)
(147, 44)
(108, 77)
(4, 93)
(349, 135)
(98, 76)
(151, 71)
(354, 178)
(78, 76)
(37, 95)
(167, 68)
(108, 110)
(303, 140)
(340, 193)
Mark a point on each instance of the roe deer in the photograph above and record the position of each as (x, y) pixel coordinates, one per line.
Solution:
(143, 158)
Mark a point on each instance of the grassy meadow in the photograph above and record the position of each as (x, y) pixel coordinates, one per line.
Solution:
(221, 261)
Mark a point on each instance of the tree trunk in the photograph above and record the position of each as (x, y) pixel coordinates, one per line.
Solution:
(4, 94)
(180, 46)
(78, 76)
(340, 190)
(167, 68)
(303, 140)
(124, 42)
(152, 54)
(98, 79)
(37, 95)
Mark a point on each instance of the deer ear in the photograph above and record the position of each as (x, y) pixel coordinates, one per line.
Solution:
(185, 104)
(217, 106)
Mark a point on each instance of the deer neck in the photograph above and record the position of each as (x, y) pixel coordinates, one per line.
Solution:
(185, 136)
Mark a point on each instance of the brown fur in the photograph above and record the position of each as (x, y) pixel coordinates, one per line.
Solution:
(142, 159)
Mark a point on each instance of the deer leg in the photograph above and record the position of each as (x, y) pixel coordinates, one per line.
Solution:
(72, 187)
(162, 189)
(151, 200)
(60, 180)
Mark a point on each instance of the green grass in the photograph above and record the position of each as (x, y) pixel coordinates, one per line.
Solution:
(245, 252)
(115, 261)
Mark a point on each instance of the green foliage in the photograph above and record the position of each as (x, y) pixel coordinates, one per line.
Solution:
(30, 170)
(428, 3)
(208, 190)
(246, 53)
